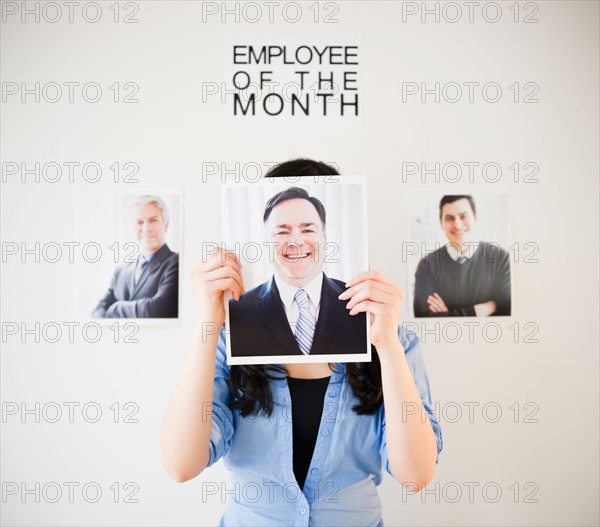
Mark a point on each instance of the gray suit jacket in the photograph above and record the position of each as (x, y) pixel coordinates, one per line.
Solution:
(154, 296)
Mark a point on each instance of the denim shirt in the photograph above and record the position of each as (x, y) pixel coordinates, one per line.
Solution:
(347, 462)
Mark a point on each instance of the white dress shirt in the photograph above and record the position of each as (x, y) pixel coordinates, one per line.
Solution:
(455, 254)
(287, 293)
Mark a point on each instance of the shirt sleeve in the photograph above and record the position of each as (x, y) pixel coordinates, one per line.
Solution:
(425, 286)
(163, 304)
(502, 285)
(107, 300)
(222, 428)
(414, 356)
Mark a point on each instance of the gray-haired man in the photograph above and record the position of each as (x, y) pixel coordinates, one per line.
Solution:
(147, 288)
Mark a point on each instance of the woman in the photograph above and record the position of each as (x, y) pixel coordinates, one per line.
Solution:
(306, 443)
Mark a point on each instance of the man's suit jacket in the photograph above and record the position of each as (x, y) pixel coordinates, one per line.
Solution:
(259, 325)
(154, 296)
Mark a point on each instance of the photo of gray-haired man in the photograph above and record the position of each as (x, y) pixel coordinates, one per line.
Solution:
(148, 287)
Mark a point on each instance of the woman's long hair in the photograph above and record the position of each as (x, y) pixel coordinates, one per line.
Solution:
(249, 385)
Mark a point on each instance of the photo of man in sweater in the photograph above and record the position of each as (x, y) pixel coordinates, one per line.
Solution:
(467, 276)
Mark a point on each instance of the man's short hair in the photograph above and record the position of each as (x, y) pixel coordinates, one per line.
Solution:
(148, 198)
(298, 167)
(452, 198)
(294, 193)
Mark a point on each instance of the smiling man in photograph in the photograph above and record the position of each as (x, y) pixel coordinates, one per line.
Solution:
(297, 312)
(148, 287)
(467, 277)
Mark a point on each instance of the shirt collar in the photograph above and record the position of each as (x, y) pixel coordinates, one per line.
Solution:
(287, 291)
(149, 257)
(455, 254)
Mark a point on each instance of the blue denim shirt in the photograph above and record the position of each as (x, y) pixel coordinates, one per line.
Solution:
(347, 463)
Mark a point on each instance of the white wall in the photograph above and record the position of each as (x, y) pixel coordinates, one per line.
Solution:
(170, 133)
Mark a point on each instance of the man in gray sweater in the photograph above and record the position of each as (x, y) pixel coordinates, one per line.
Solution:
(467, 277)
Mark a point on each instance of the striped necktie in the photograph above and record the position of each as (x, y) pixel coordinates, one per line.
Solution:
(305, 327)
(462, 260)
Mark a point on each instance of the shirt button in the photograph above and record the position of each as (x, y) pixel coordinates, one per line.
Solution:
(332, 394)
(302, 510)
(325, 432)
(315, 471)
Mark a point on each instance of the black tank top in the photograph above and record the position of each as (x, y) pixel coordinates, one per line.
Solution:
(307, 407)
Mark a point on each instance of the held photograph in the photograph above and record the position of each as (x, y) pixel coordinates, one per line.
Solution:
(299, 241)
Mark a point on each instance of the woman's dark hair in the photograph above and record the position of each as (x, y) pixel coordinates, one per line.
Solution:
(249, 385)
(302, 167)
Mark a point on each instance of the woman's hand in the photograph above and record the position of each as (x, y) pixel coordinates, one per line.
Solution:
(372, 292)
(221, 272)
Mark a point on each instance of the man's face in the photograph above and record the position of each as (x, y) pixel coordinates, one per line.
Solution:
(296, 228)
(150, 227)
(458, 222)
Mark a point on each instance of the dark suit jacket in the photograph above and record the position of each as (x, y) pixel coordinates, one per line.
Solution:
(259, 326)
(154, 296)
